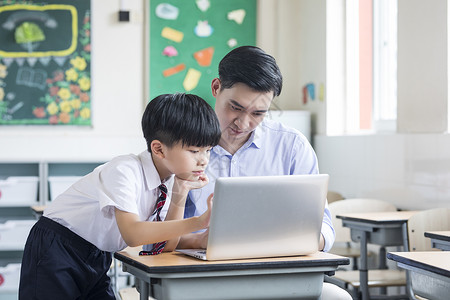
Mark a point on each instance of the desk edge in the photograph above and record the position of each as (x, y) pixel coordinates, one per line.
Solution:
(417, 264)
(335, 262)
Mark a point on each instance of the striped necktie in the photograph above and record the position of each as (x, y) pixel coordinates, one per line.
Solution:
(158, 247)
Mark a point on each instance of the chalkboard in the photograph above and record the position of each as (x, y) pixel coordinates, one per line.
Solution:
(45, 62)
(188, 38)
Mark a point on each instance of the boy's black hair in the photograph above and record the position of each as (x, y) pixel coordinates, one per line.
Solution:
(185, 118)
(252, 66)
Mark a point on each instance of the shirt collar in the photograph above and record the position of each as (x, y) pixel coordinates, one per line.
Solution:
(151, 175)
(254, 139)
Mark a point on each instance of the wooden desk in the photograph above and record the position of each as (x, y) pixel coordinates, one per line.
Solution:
(38, 210)
(381, 228)
(429, 271)
(439, 239)
(177, 276)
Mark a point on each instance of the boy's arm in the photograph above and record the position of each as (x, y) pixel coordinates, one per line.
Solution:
(136, 232)
(180, 191)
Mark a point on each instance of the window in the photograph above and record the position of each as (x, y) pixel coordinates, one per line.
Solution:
(361, 66)
(385, 64)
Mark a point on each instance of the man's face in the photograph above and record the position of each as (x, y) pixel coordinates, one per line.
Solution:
(240, 110)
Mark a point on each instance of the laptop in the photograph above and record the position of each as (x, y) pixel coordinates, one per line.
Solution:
(265, 216)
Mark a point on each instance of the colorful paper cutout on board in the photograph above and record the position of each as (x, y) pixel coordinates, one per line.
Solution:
(172, 34)
(170, 51)
(174, 70)
(191, 80)
(203, 5)
(221, 31)
(167, 11)
(203, 29)
(237, 16)
(308, 90)
(321, 92)
(311, 90)
(204, 57)
(232, 43)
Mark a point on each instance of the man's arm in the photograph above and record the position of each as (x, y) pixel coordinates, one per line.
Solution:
(305, 162)
(328, 233)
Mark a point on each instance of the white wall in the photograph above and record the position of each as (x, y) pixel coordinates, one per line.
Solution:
(410, 170)
(422, 66)
(299, 46)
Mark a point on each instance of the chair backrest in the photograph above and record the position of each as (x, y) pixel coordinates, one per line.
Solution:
(334, 196)
(354, 205)
(426, 220)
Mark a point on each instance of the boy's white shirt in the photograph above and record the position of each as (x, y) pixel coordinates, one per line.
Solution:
(129, 183)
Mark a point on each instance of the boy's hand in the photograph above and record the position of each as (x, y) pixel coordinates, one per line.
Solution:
(181, 186)
(203, 239)
(205, 218)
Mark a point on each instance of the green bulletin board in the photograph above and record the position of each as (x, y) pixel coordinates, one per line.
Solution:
(45, 60)
(185, 33)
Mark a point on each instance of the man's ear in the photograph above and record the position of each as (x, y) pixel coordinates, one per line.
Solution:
(156, 148)
(215, 86)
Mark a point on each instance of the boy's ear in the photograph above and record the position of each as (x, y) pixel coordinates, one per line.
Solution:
(215, 86)
(156, 148)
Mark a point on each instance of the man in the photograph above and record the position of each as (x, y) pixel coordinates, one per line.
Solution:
(249, 79)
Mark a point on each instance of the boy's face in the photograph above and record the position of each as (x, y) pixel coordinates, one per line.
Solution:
(187, 162)
(240, 110)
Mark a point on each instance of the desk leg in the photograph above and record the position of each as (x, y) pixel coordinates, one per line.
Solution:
(409, 290)
(363, 274)
(143, 289)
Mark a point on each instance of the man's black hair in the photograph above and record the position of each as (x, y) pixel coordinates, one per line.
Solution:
(252, 66)
(185, 118)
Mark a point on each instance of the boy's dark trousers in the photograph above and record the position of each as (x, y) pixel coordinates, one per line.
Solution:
(59, 264)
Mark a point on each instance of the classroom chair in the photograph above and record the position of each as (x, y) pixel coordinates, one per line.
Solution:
(130, 293)
(343, 244)
(349, 280)
(333, 196)
(426, 220)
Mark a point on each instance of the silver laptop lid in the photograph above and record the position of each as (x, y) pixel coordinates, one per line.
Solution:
(264, 216)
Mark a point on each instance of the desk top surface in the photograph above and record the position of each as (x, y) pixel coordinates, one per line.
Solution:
(172, 262)
(439, 235)
(379, 217)
(39, 209)
(434, 261)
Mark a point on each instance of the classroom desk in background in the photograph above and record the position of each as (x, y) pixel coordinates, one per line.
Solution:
(439, 239)
(380, 228)
(174, 275)
(429, 271)
(38, 210)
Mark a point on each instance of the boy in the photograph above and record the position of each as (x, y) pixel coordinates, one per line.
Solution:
(68, 251)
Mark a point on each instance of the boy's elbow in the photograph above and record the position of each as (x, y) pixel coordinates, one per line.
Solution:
(133, 244)
(131, 239)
